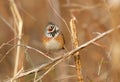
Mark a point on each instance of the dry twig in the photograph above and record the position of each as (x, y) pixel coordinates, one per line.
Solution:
(4, 44)
(7, 23)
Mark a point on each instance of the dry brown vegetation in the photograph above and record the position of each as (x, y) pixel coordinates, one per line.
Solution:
(92, 41)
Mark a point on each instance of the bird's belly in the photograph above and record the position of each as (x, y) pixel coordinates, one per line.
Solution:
(53, 45)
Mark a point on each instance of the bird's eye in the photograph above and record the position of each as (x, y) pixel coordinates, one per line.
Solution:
(51, 28)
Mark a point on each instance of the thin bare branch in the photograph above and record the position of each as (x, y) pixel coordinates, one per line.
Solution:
(29, 47)
(85, 7)
(27, 13)
(67, 77)
(4, 44)
(100, 66)
(7, 23)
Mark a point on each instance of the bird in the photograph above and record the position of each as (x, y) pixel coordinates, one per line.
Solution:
(53, 39)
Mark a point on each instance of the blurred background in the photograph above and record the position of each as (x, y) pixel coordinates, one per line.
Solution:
(92, 18)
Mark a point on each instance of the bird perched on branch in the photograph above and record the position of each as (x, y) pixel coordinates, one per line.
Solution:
(53, 38)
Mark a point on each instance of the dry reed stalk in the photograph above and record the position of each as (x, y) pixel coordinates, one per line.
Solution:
(63, 58)
(19, 25)
(75, 45)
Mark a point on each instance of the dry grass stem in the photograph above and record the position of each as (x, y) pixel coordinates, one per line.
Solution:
(36, 73)
(82, 6)
(19, 25)
(4, 44)
(67, 77)
(6, 22)
(11, 80)
(100, 66)
(75, 45)
(40, 52)
(27, 13)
